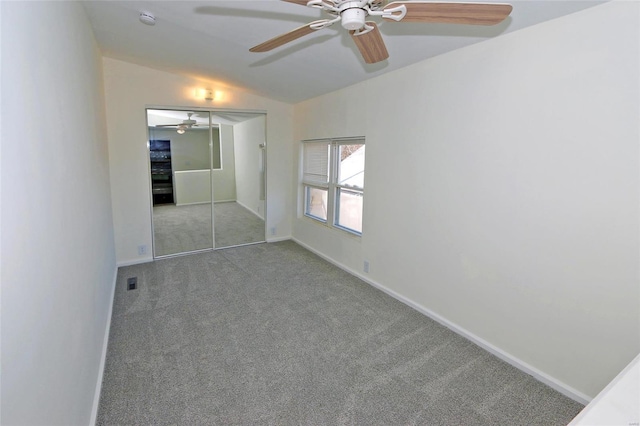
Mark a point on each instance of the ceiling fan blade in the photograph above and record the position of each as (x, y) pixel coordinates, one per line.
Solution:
(285, 38)
(304, 2)
(300, 2)
(371, 45)
(381, 4)
(166, 125)
(453, 13)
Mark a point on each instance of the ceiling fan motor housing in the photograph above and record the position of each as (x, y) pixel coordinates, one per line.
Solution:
(353, 19)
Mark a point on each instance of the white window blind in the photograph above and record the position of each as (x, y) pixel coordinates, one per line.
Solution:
(315, 170)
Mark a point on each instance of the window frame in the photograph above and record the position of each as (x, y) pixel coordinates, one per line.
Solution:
(332, 187)
(307, 202)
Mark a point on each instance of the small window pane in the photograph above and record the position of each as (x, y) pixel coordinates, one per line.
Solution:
(316, 203)
(351, 166)
(349, 210)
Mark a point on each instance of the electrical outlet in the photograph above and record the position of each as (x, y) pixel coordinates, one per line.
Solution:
(366, 266)
(273, 230)
(142, 250)
(132, 283)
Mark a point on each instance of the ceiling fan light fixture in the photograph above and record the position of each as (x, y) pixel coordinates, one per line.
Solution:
(180, 130)
(353, 19)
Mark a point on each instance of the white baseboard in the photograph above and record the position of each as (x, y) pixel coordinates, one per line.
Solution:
(134, 261)
(278, 239)
(192, 204)
(103, 358)
(251, 210)
(552, 382)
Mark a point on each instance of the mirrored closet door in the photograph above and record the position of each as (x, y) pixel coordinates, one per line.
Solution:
(239, 186)
(205, 171)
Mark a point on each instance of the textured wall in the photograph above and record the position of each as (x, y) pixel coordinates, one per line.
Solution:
(58, 257)
(502, 190)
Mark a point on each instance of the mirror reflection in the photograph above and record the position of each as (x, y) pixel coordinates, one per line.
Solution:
(207, 179)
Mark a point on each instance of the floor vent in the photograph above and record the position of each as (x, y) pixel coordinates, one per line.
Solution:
(132, 283)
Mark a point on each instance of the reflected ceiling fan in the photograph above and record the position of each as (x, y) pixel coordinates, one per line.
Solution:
(366, 35)
(184, 126)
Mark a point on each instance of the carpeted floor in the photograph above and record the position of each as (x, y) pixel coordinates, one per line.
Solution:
(236, 225)
(273, 334)
(188, 228)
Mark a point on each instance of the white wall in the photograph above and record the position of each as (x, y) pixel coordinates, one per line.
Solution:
(192, 187)
(502, 191)
(190, 150)
(224, 180)
(58, 257)
(129, 89)
(248, 136)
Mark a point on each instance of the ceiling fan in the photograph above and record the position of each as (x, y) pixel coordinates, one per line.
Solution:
(366, 35)
(184, 126)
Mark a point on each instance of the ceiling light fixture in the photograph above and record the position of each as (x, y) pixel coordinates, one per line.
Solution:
(147, 18)
(180, 130)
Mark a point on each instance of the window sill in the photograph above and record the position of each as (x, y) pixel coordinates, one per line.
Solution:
(335, 229)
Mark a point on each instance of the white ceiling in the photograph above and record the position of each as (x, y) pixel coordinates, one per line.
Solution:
(210, 40)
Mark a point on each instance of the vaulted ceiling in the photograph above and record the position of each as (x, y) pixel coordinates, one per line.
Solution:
(210, 40)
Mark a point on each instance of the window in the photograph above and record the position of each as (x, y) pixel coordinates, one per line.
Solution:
(333, 182)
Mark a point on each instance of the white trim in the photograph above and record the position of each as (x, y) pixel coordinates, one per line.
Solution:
(552, 382)
(183, 253)
(278, 239)
(251, 210)
(617, 403)
(134, 261)
(193, 204)
(192, 171)
(241, 245)
(103, 358)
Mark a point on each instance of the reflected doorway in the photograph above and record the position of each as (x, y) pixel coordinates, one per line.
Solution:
(206, 179)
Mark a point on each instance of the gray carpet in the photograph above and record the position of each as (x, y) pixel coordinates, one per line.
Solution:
(181, 229)
(272, 334)
(236, 225)
(188, 228)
